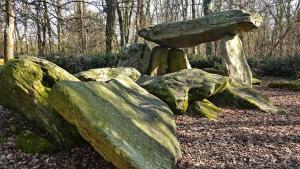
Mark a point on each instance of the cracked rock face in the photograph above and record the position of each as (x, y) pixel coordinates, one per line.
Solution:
(210, 28)
(106, 74)
(25, 84)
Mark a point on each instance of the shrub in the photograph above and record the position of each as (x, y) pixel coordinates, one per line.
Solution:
(202, 62)
(75, 64)
(276, 66)
(263, 66)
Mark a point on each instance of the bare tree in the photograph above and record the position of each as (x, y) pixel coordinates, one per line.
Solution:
(9, 31)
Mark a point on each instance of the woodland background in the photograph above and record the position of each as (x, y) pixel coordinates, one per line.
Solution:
(82, 34)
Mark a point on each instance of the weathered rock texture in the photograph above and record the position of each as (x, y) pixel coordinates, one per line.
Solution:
(177, 60)
(235, 61)
(205, 109)
(159, 61)
(106, 74)
(25, 84)
(124, 123)
(210, 28)
(241, 96)
(137, 56)
(181, 88)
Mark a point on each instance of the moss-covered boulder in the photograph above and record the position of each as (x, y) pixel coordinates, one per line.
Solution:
(128, 126)
(137, 56)
(106, 74)
(25, 84)
(32, 143)
(241, 96)
(179, 88)
(290, 85)
(255, 81)
(205, 108)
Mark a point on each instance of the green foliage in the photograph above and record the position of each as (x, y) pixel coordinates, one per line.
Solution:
(31, 143)
(263, 66)
(202, 62)
(75, 64)
(275, 66)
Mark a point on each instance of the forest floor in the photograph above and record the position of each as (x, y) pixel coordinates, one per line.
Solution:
(238, 139)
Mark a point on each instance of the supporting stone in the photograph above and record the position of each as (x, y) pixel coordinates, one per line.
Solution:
(177, 60)
(235, 61)
(135, 55)
(159, 61)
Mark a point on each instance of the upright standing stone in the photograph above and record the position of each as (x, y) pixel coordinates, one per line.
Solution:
(235, 61)
(177, 60)
(136, 56)
(159, 61)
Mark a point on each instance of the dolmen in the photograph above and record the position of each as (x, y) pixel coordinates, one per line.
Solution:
(223, 26)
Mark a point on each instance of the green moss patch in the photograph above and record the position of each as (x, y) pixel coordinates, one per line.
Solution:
(205, 109)
(31, 143)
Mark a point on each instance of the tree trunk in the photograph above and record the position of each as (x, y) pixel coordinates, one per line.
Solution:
(9, 32)
(82, 35)
(58, 27)
(110, 24)
(121, 25)
(206, 11)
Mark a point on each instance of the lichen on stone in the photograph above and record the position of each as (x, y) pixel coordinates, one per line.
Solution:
(205, 108)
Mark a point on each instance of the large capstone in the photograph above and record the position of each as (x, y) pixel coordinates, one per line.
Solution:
(190, 33)
(25, 84)
(137, 56)
(106, 74)
(127, 125)
(235, 60)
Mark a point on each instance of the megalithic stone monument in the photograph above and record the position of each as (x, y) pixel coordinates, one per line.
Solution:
(212, 27)
(235, 61)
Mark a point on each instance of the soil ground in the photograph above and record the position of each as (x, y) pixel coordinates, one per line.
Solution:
(238, 139)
